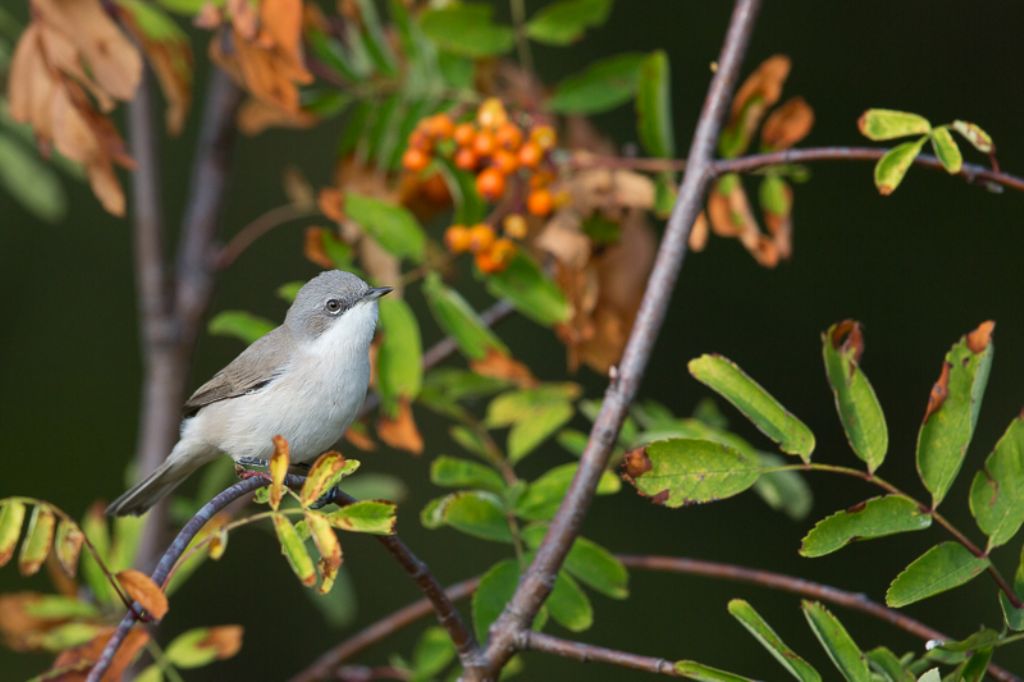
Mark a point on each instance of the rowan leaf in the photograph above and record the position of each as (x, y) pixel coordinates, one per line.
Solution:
(400, 354)
(453, 472)
(473, 512)
(941, 568)
(568, 604)
(997, 492)
(544, 495)
(750, 619)
(564, 22)
(952, 411)
(588, 562)
(874, 518)
(67, 546)
(12, 515)
(457, 319)
(856, 402)
(327, 544)
(974, 134)
(766, 413)
(607, 83)
(279, 462)
(376, 517)
(894, 164)
(946, 150)
(530, 290)
(326, 472)
(38, 539)
(391, 225)
(202, 646)
(836, 641)
(433, 653)
(467, 29)
(141, 588)
(496, 587)
(654, 106)
(887, 124)
(30, 181)
(294, 550)
(683, 471)
(692, 670)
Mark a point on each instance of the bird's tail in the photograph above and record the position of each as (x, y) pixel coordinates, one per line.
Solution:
(143, 495)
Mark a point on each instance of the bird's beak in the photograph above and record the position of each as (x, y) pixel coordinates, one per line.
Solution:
(374, 293)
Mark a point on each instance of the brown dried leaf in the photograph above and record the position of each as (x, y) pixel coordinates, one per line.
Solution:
(142, 589)
(698, 238)
(31, 85)
(20, 629)
(172, 62)
(978, 340)
(400, 431)
(226, 640)
(329, 201)
(255, 116)
(73, 665)
(498, 365)
(787, 125)
(313, 248)
(606, 188)
(765, 83)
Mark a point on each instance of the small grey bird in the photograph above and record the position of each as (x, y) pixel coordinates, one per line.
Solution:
(305, 380)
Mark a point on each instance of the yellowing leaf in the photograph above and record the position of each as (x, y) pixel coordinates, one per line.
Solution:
(68, 545)
(327, 544)
(975, 135)
(202, 646)
(294, 550)
(887, 124)
(12, 514)
(367, 516)
(323, 475)
(279, 462)
(38, 539)
(787, 125)
(893, 166)
(947, 151)
(142, 589)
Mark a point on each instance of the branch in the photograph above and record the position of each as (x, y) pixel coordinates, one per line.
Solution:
(586, 653)
(322, 667)
(794, 585)
(258, 227)
(536, 584)
(447, 615)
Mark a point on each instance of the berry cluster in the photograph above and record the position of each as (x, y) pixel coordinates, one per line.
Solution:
(501, 153)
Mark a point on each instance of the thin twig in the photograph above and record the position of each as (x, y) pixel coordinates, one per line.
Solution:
(589, 653)
(794, 585)
(323, 666)
(257, 227)
(536, 584)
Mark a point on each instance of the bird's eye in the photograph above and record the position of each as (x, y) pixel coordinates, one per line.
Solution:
(333, 306)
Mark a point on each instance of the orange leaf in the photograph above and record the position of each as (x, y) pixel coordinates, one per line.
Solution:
(788, 124)
(255, 116)
(326, 541)
(313, 248)
(172, 62)
(699, 233)
(358, 436)
(400, 431)
(225, 639)
(329, 201)
(500, 365)
(142, 589)
(279, 462)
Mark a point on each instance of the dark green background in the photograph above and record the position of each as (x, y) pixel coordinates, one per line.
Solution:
(919, 269)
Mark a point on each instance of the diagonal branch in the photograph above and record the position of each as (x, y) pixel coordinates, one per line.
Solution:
(590, 653)
(536, 584)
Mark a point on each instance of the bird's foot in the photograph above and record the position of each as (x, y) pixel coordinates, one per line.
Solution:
(329, 497)
(251, 467)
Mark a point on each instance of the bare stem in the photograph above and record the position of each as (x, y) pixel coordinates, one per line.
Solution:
(589, 653)
(257, 227)
(538, 580)
(522, 41)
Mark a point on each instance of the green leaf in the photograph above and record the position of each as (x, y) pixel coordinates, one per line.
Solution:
(496, 588)
(151, 673)
(400, 355)
(244, 326)
(977, 666)
(543, 496)
(453, 472)
(997, 493)
(766, 413)
(770, 640)
(604, 85)
(588, 562)
(886, 124)
(31, 182)
(473, 512)
(325, 473)
(530, 290)
(932, 675)
(460, 384)
(457, 319)
(569, 605)
(947, 150)
(692, 670)
(525, 436)
(894, 164)
(38, 539)
(391, 225)
(836, 641)
(382, 138)
(875, 518)
(467, 29)
(784, 491)
(684, 471)
(654, 106)
(856, 402)
(941, 568)
(534, 414)
(294, 550)
(202, 646)
(94, 526)
(974, 134)
(563, 22)
(12, 515)
(377, 517)
(59, 607)
(69, 635)
(470, 207)
(331, 53)
(1013, 616)
(885, 662)
(952, 411)
(374, 39)
(434, 651)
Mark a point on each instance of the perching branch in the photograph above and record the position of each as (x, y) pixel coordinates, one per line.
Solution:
(589, 653)
(447, 615)
(538, 580)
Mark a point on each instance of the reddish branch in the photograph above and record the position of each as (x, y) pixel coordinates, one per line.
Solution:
(589, 653)
(537, 582)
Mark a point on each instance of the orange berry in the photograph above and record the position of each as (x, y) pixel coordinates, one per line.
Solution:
(440, 126)
(418, 139)
(540, 202)
(491, 113)
(481, 236)
(415, 159)
(515, 225)
(457, 238)
(544, 136)
(505, 161)
(496, 258)
(464, 134)
(509, 136)
(465, 159)
(435, 189)
(483, 143)
(490, 183)
(530, 155)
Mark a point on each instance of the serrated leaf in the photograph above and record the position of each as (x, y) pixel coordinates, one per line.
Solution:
(858, 407)
(31, 182)
(997, 492)
(543, 496)
(467, 29)
(532, 292)
(654, 106)
(974, 134)
(947, 151)
(750, 619)
(391, 225)
(952, 411)
(38, 539)
(12, 515)
(875, 518)
(588, 562)
(141, 588)
(569, 605)
(453, 472)
(894, 164)
(473, 512)
(433, 652)
(605, 84)
(239, 324)
(941, 568)
(400, 354)
(685, 471)
(840, 647)
(564, 22)
(692, 670)
(377, 517)
(201, 646)
(457, 319)
(887, 124)
(766, 413)
(279, 462)
(294, 550)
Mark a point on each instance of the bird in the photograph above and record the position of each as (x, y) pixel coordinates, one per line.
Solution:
(304, 380)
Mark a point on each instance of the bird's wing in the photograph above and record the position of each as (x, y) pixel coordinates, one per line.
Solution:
(257, 366)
